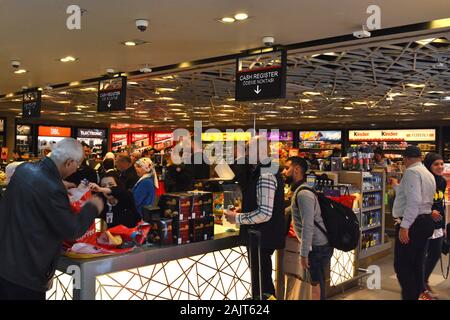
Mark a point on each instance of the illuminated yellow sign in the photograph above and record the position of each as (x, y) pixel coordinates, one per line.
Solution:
(226, 136)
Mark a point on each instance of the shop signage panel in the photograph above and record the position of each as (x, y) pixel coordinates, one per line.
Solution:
(267, 82)
(91, 133)
(54, 131)
(162, 136)
(23, 130)
(118, 137)
(280, 136)
(393, 135)
(112, 94)
(320, 136)
(31, 105)
(139, 136)
(226, 136)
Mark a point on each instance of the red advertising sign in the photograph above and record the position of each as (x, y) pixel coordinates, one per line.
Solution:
(118, 137)
(163, 136)
(54, 131)
(139, 136)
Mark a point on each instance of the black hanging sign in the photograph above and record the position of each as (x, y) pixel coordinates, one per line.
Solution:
(31, 106)
(261, 76)
(112, 94)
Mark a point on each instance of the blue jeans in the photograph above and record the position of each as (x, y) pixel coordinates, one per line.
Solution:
(319, 260)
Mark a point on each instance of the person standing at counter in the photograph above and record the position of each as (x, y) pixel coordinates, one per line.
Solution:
(262, 210)
(435, 164)
(36, 218)
(414, 225)
(85, 171)
(379, 160)
(128, 175)
(119, 203)
(145, 188)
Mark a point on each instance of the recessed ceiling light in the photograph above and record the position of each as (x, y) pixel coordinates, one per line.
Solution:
(226, 106)
(429, 104)
(20, 71)
(89, 89)
(63, 92)
(286, 107)
(305, 100)
(447, 98)
(315, 55)
(130, 108)
(416, 85)
(174, 109)
(149, 100)
(436, 92)
(166, 98)
(348, 108)
(67, 59)
(63, 101)
(16, 100)
(132, 83)
(311, 93)
(241, 16)
(230, 99)
(227, 20)
(129, 43)
(424, 42)
(166, 89)
(176, 104)
(74, 83)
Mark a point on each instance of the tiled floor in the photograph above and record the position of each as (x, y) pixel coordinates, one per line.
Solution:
(390, 289)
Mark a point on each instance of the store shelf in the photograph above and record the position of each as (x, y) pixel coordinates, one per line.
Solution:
(371, 227)
(371, 208)
(374, 190)
(374, 250)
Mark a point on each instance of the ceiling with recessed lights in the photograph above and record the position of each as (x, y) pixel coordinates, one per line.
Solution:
(378, 83)
(401, 79)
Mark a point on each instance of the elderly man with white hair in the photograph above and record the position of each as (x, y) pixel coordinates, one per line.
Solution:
(36, 218)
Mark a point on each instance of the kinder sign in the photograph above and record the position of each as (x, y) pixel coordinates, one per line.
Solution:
(54, 132)
(393, 135)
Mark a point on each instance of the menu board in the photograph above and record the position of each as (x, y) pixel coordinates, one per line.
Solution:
(393, 135)
(335, 136)
(112, 94)
(31, 106)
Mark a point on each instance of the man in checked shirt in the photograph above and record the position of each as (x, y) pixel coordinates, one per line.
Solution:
(262, 209)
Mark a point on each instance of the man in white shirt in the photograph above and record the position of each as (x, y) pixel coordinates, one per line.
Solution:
(414, 225)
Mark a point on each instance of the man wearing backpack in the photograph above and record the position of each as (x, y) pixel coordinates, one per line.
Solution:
(316, 251)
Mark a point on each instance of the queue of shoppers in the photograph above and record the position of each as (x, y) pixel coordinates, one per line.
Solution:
(124, 184)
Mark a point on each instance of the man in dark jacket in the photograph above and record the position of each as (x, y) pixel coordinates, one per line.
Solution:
(262, 210)
(35, 219)
(85, 171)
(128, 175)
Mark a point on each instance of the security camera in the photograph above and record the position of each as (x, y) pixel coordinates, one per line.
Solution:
(15, 64)
(361, 33)
(142, 24)
(268, 41)
(145, 70)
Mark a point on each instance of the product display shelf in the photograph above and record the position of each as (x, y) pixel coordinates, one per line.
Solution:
(376, 244)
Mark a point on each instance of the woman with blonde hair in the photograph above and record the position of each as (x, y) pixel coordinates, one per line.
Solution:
(145, 188)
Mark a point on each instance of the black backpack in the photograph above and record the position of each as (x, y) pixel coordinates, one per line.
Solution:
(341, 223)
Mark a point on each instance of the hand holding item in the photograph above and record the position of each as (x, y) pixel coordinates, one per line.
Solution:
(94, 187)
(97, 202)
(304, 262)
(436, 216)
(403, 235)
(230, 215)
(69, 185)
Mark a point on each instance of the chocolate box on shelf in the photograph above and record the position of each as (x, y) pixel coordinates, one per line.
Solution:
(161, 232)
(208, 228)
(196, 232)
(181, 231)
(176, 205)
(202, 204)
